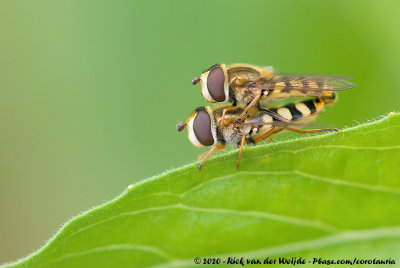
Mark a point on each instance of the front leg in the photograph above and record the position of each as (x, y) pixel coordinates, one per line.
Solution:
(269, 133)
(250, 105)
(227, 109)
(242, 142)
(240, 80)
(214, 149)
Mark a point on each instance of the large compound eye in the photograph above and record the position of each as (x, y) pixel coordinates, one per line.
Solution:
(202, 128)
(215, 84)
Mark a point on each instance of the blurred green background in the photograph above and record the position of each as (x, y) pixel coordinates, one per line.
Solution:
(90, 91)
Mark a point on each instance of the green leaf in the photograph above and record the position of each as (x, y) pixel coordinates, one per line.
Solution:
(332, 196)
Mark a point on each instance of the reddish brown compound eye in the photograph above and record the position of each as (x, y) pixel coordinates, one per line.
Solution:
(215, 84)
(202, 128)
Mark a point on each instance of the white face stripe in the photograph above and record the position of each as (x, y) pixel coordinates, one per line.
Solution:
(213, 124)
(226, 82)
(191, 135)
(204, 89)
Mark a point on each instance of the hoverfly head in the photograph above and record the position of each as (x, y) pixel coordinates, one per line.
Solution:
(214, 83)
(201, 127)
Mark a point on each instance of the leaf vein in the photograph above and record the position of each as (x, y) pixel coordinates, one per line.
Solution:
(114, 247)
(258, 214)
(335, 147)
(280, 250)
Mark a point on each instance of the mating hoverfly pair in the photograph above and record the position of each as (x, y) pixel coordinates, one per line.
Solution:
(247, 119)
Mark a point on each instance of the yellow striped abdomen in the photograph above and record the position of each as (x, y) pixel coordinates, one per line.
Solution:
(300, 113)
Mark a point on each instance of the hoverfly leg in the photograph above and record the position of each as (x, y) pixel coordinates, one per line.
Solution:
(239, 80)
(251, 104)
(305, 131)
(214, 149)
(204, 155)
(270, 139)
(242, 142)
(221, 123)
(270, 132)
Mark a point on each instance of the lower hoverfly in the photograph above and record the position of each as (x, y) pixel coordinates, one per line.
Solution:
(206, 126)
(245, 85)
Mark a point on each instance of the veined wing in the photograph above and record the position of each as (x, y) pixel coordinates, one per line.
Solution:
(260, 122)
(284, 86)
(300, 113)
(310, 82)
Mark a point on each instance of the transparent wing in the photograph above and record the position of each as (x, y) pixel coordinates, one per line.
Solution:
(315, 76)
(278, 120)
(298, 124)
(311, 82)
(254, 123)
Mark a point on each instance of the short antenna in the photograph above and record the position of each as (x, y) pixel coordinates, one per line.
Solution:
(181, 126)
(196, 80)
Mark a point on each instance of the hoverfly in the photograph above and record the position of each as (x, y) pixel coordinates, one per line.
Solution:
(245, 85)
(206, 126)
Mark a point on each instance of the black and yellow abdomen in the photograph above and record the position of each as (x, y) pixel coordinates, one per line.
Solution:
(304, 109)
(300, 113)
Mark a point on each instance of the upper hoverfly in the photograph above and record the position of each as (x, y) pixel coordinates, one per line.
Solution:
(217, 127)
(245, 85)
